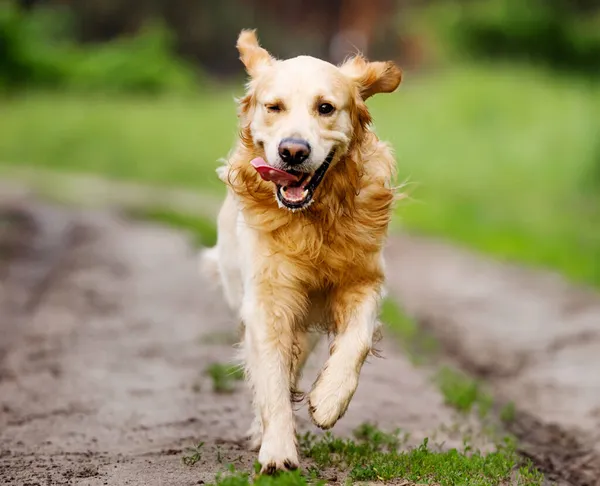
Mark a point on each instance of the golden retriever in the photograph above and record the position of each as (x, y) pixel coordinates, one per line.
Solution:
(301, 232)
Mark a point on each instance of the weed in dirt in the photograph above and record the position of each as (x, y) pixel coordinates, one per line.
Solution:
(194, 454)
(418, 344)
(288, 478)
(507, 413)
(529, 475)
(367, 432)
(204, 230)
(224, 376)
(374, 456)
(462, 392)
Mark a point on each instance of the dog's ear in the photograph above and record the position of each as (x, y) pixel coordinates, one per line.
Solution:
(252, 55)
(372, 77)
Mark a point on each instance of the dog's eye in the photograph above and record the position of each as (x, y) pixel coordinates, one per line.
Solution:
(326, 108)
(273, 108)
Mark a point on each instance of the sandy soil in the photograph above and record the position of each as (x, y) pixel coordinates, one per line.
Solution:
(532, 336)
(105, 331)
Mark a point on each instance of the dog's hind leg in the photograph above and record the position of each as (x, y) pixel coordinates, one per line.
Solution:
(304, 345)
(355, 316)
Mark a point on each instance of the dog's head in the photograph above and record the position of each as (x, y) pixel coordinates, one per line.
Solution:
(304, 114)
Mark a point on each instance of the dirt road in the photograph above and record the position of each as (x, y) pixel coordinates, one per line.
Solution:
(533, 337)
(106, 330)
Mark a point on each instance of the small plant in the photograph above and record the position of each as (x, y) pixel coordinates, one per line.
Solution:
(224, 376)
(507, 414)
(368, 432)
(462, 392)
(194, 454)
(529, 475)
(419, 345)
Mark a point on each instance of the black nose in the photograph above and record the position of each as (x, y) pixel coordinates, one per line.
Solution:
(294, 151)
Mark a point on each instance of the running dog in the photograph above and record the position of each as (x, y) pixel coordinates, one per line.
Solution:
(301, 231)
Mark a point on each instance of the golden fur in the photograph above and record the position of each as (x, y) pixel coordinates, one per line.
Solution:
(315, 268)
(337, 240)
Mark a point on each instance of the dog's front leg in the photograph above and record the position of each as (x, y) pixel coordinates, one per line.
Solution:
(268, 346)
(355, 318)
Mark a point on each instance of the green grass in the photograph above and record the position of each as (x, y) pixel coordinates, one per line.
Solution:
(463, 392)
(501, 161)
(420, 345)
(203, 230)
(374, 455)
(460, 391)
(193, 454)
(172, 141)
(224, 376)
(505, 160)
(508, 413)
(293, 478)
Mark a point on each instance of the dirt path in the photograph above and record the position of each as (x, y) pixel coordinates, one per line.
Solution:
(106, 329)
(532, 336)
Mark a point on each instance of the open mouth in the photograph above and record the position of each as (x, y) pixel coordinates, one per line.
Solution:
(295, 189)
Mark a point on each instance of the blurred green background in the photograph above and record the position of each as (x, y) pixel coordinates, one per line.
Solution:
(496, 126)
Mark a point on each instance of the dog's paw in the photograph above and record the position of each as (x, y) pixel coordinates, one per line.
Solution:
(328, 401)
(275, 456)
(274, 467)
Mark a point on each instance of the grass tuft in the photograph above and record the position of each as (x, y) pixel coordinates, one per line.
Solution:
(194, 454)
(374, 456)
(419, 345)
(224, 376)
(508, 413)
(288, 478)
(462, 392)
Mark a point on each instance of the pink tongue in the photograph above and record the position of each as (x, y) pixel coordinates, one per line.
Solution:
(272, 174)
